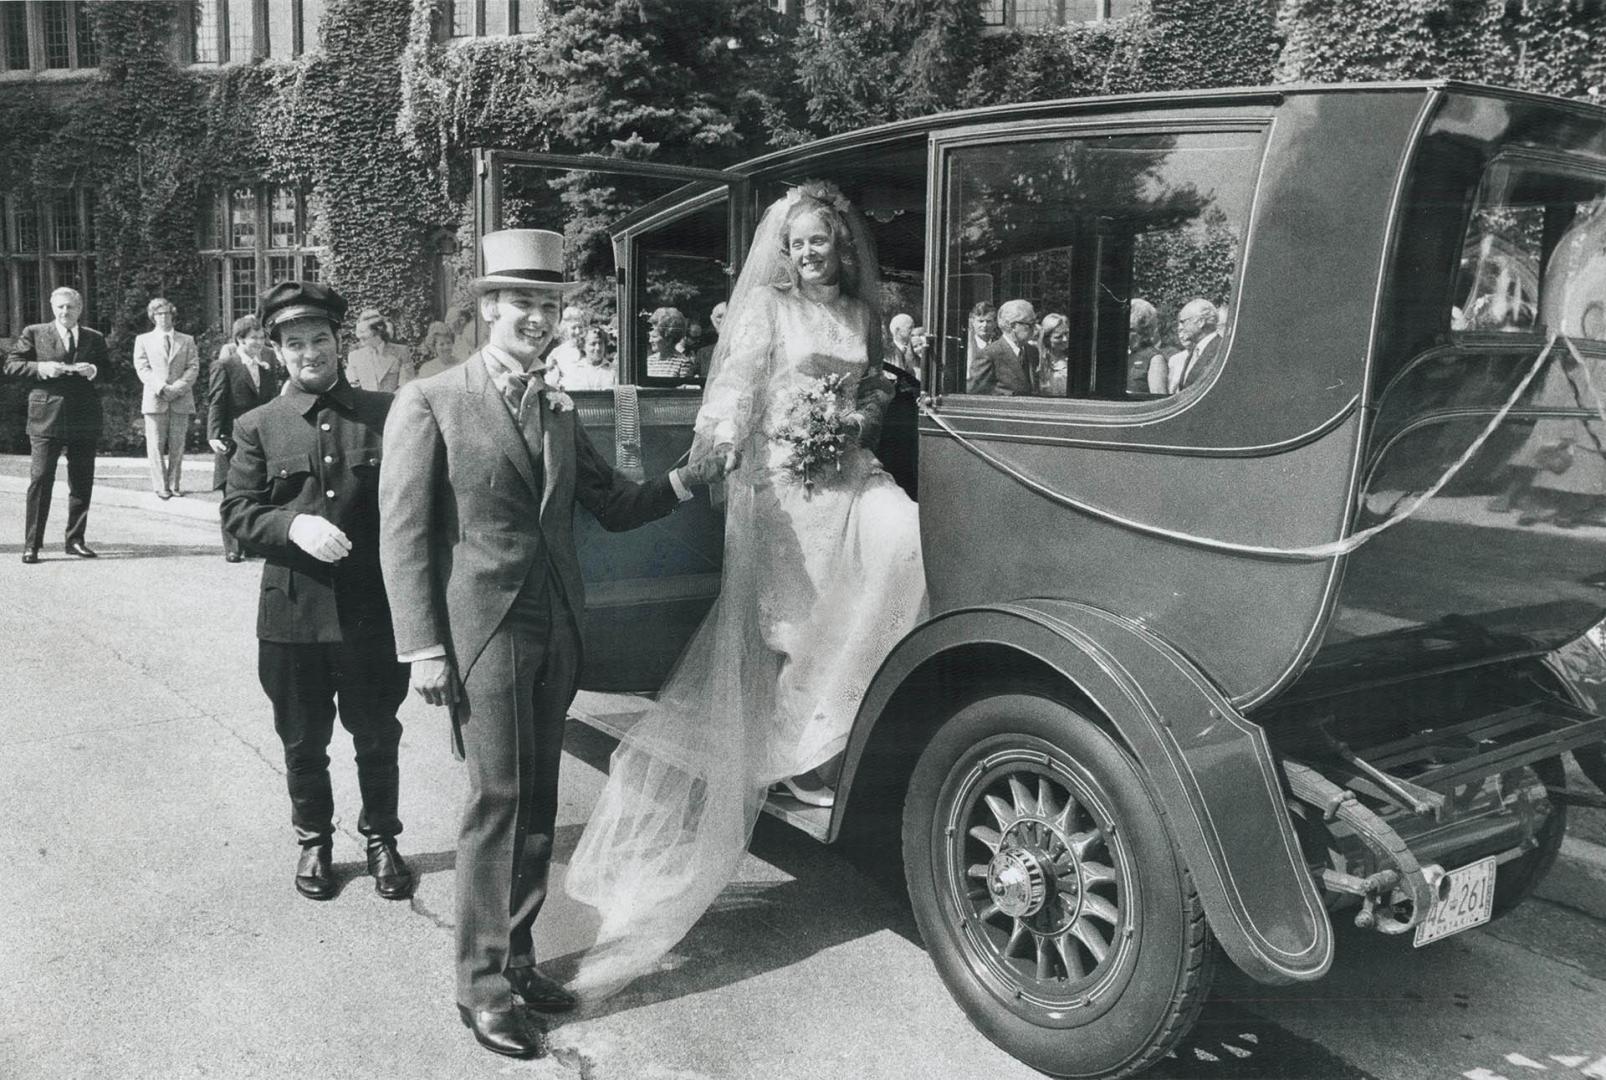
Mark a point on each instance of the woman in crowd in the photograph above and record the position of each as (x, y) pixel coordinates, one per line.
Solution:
(1054, 356)
(435, 350)
(666, 329)
(1146, 369)
(378, 362)
(594, 369)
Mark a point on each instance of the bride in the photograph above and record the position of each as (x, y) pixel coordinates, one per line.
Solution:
(820, 581)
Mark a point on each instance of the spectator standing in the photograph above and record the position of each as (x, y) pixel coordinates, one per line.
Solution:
(168, 365)
(983, 332)
(242, 379)
(594, 370)
(379, 362)
(461, 323)
(705, 353)
(564, 355)
(1196, 329)
(1146, 370)
(1054, 356)
(58, 362)
(1008, 366)
(303, 490)
(435, 350)
(666, 329)
(899, 351)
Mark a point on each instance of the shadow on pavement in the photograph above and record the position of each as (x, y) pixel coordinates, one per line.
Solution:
(122, 551)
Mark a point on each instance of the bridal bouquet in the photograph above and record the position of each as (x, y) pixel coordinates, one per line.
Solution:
(819, 423)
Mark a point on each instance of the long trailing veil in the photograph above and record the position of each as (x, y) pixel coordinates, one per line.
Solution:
(687, 782)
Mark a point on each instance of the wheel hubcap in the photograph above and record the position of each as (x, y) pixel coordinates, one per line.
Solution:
(1040, 880)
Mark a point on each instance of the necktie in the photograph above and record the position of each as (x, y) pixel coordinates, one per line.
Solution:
(72, 346)
(167, 345)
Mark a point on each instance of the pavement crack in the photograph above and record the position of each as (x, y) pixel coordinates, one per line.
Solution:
(190, 718)
(420, 908)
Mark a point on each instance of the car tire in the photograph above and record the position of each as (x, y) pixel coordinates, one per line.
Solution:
(1516, 880)
(1049, 890)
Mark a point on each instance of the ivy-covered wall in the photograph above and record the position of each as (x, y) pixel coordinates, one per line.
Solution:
(378, 122)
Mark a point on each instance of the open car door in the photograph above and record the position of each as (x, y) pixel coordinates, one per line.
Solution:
(642, 236)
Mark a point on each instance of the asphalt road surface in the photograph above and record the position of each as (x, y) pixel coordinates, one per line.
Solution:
(149, 928)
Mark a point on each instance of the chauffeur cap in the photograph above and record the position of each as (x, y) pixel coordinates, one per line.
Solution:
(299, 300)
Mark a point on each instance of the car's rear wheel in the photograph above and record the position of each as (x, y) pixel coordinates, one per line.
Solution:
(1049, 890)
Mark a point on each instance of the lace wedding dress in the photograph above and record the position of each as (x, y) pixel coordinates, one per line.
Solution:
(818, 586)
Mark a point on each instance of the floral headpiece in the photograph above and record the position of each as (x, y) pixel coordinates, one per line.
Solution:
(825, 192)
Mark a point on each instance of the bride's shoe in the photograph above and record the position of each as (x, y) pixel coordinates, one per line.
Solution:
(820, 796)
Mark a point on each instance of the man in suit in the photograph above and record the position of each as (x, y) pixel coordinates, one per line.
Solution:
(483, 468)
(168, 365)
(303, 490)
(238, 384)
(1008, 366)
(59, 361)
(1196, 330)
(900, 350)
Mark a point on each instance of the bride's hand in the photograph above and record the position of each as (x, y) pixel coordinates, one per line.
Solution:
(715, 466)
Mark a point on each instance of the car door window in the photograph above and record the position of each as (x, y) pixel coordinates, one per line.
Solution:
(1102, 253)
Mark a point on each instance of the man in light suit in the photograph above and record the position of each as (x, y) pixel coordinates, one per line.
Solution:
(59, 361)
(378, 362)
(1196, 329)
(168, 364)
(483, 466)
(1008, 366)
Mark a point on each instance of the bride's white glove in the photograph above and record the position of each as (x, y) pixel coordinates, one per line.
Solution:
(715, 466)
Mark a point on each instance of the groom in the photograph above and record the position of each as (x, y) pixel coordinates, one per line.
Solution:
(482, 469)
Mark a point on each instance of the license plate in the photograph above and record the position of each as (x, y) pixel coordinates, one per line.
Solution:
(1468, 901)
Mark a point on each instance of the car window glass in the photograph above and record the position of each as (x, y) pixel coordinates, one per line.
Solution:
(683, 281)
(1091, 248)
(1534, 256)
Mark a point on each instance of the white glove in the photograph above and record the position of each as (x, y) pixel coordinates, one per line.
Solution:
(219, 445)
(319, 537)
(49, 369)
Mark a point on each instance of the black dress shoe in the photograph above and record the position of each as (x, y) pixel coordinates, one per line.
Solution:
(392, 878)
(164, 494)
(80, 549)
(538, 991)
(315, 878)
(234, 556)
(508, 1032)
(30, 555)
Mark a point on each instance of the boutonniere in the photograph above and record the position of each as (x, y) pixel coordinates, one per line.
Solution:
(559, 401)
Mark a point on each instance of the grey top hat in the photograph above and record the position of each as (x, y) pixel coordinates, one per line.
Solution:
(523, 259)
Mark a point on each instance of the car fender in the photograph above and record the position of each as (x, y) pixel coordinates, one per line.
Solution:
(1210, 769)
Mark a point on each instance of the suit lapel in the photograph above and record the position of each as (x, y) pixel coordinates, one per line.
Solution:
(557, 453)
(494, 413)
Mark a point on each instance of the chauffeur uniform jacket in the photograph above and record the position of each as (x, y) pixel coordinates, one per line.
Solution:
(305, 453)
(66, 407)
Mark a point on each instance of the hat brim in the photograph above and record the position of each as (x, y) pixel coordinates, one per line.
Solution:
(481, 286)
(298, 311)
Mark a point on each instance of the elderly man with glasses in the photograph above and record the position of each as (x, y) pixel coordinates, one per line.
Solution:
(1008, 366)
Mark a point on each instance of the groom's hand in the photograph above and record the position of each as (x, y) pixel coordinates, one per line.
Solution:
(434, 680)
(721, 462)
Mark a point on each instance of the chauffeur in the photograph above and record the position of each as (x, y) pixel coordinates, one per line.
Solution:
(303, 491)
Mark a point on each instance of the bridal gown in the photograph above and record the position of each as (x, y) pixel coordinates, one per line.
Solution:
(818, 586)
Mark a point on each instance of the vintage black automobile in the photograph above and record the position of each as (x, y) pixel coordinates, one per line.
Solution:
(1175, 699)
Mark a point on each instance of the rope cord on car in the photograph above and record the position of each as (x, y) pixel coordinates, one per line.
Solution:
(1312, 553)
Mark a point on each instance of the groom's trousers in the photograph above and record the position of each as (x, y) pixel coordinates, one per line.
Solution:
(517, 696)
